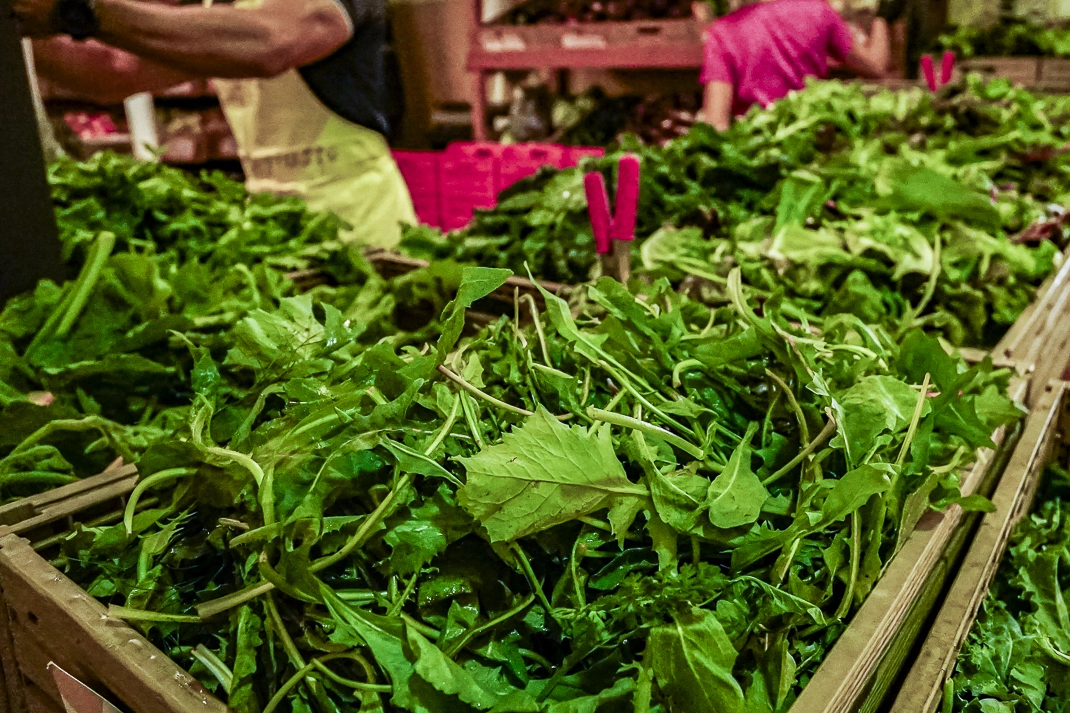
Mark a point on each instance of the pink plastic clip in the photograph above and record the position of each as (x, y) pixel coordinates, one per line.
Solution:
(627, 198)
(929, 71)
(594, 185)
(947, 68)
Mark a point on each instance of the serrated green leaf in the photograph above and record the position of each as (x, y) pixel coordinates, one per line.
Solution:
(544, 473)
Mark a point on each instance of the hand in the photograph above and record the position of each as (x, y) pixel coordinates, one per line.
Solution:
(35, 17)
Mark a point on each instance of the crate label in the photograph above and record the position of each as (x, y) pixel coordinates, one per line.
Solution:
(504, 43)
(583, 41)
(183, 89)
(78, 697)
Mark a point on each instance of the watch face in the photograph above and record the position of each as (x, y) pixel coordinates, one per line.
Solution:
(76, 18)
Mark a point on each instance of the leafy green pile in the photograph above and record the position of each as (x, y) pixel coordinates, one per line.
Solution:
(99, 367)
(1012, 37)
(891, 205)
(632, 502)
(1017, 657)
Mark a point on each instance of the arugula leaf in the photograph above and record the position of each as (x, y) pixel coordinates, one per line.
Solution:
(692, 661)
(736, 496)
(545, 473)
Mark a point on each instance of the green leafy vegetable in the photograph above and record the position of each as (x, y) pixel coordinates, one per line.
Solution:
(557, 516)
(1016, 657)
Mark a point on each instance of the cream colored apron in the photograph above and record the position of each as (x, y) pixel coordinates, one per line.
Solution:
(291, 144)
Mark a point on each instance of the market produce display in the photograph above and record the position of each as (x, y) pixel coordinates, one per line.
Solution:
(161, 262)
(1017, 655)
(902, 208)
(1008, 38)
(633, 502)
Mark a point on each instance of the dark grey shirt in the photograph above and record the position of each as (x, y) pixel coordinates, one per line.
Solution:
(351, 82)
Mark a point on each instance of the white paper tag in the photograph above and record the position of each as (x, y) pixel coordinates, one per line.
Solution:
(78, 697)
(578, 41)
(504, 43)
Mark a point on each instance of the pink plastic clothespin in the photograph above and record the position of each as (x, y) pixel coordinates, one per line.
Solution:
(929, 72)
(594, 185)
(947, 70)
(613, 235)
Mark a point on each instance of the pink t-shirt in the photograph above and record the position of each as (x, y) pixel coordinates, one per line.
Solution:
(766, 50)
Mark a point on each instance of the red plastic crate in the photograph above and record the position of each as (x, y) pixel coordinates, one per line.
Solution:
(420, 169)
(523, 160)
(466, 184)
(475, 150)
(575, 154)
(448, 186)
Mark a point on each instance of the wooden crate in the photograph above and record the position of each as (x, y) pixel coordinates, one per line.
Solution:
(49, 618)
(1055, 74)
(40, 518)
(45, 617)
(1022, 71)
(1046, 431)
(860, 668)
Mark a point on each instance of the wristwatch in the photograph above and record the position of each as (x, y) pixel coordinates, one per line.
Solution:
(891, 10)
(76, 18)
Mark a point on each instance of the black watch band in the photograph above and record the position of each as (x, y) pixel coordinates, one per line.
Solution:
(76, 18)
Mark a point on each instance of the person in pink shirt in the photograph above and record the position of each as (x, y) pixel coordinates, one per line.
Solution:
(766, 49)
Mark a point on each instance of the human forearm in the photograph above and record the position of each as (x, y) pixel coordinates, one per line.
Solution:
(96, 73)
(880, 44)
(223, 41)
(871, 56)
(717, 105)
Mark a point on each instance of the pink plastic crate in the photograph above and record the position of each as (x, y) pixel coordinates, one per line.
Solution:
(475, 150)
(523, 160)
(466, 184)
(575, 154)
(448, 186)
(420, 169)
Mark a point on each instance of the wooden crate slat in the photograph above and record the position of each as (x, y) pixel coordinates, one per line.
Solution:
(105, 497)
(37, 701)
(923, 687)
(33, 657)
(120, 660)
(1055, 74)
(17, 512)
(12, 698)
(1022, 71)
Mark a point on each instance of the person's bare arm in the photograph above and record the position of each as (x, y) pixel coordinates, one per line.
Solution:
(717, 105)
(217, 41)
(98, 73)
(871, 56)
